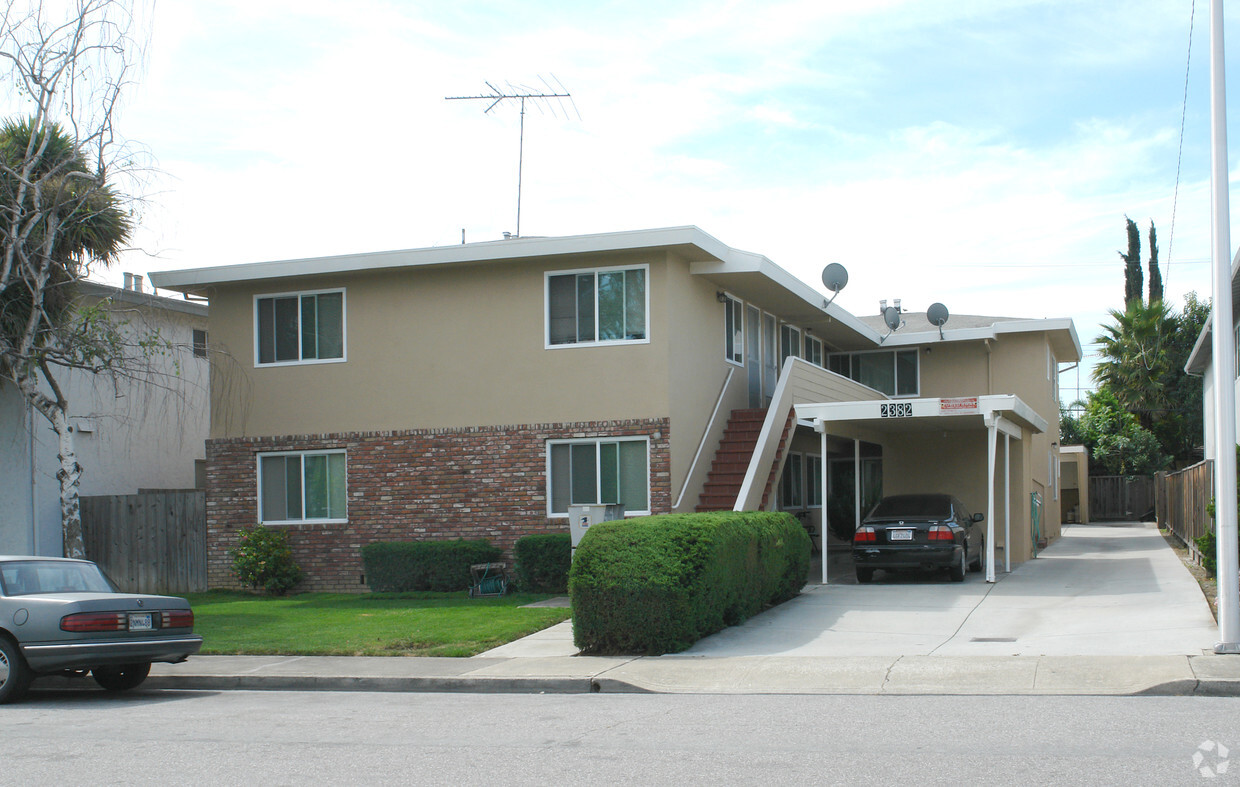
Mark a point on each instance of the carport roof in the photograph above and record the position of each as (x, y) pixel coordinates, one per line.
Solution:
(913, 415)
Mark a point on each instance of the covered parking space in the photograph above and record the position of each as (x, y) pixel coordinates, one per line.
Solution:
(931, 445)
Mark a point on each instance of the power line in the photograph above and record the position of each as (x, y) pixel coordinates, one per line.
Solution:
(1179, 156)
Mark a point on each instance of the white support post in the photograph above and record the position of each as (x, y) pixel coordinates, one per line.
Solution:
(991, 433)
(822, 427)
(1223, 350)
(1007, 502)
(856, 484)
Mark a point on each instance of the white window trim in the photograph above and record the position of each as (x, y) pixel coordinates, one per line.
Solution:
(596, 343)
(822, 355)
(258, 473)
(344, 327)
(799, 350)
(731, 299)
(596, 441)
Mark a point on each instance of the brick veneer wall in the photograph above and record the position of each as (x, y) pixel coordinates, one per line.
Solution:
(476, 482)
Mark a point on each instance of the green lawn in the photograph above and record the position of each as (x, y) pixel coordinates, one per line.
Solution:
(375, 624)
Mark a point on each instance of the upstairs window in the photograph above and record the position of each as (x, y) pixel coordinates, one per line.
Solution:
(894, 372)
(200, 343)
(300, 327)
(789, 343)
(813, 350)
(603, 306)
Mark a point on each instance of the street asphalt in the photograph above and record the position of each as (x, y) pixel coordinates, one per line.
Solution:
(1106, 610)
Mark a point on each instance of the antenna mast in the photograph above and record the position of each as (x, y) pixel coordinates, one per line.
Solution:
(518, 93)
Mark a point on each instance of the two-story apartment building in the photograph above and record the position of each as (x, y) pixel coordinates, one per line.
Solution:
(478, 390)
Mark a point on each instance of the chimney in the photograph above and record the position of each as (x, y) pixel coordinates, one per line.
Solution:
(137, 282)
(129, 281)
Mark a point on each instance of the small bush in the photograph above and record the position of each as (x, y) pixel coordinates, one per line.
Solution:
(263, 559)
(658, 584)
(1209, 552)
(399, 566)
(543, 562)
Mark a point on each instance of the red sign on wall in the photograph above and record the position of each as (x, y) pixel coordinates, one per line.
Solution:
(960, 404)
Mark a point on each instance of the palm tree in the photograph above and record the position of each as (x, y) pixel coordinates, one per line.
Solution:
(1136, 366)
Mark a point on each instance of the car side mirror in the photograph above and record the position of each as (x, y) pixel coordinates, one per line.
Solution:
(978, 517)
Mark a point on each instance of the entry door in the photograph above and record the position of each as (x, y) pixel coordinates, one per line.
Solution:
(753, 354)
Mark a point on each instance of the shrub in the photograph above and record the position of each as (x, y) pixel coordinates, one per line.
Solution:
(263, 559)
(399, 566)
(1209, 552)
(658, 584)
(543, 561)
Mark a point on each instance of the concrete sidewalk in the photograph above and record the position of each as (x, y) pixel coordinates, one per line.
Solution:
(1104, 610)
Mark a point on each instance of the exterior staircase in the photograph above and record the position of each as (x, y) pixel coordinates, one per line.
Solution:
(727, 471)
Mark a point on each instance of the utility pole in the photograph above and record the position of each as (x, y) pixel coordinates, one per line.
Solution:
(518, 94)
(1223, 350)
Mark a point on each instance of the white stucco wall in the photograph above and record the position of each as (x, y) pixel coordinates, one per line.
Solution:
(133, 434)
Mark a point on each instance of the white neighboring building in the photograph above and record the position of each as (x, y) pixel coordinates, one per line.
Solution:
(131, 434)
(1201, 361)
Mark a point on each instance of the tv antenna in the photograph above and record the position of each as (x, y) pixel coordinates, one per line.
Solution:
(522, 93)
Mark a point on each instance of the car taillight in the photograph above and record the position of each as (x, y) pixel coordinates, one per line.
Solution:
(941, 533)
(94, 621)
(865, 535)
(178, 618)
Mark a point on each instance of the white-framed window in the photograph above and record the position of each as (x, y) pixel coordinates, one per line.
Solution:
(733, 330)
(598, 470)
(597, 306)
(792, 483)
(302, 486)
(789, 342)
(894, 372)
(813, 350)
(813, 481)
(299, 327)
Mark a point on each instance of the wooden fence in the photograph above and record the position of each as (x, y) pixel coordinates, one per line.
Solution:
(1182, 500)
(1120, 497)
(154, 542)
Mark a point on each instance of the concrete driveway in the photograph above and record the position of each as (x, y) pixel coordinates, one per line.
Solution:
(1099, 590)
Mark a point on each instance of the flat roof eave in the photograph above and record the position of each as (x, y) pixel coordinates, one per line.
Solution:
(968, 412)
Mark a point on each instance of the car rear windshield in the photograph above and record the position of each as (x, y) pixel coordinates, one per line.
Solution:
(27, 577)
(913, 506)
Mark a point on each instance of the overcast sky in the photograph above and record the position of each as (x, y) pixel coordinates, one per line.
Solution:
(982, 153)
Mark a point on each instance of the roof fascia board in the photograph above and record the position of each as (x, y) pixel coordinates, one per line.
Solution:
(990, 332)
(489, 251)
(735, 261)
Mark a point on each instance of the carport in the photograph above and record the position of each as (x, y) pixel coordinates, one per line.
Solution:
(1001, 414)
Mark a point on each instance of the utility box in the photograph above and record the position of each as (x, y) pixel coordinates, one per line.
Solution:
(580, 517)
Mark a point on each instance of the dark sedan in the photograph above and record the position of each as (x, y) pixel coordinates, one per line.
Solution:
(919, 532)
(63, 616)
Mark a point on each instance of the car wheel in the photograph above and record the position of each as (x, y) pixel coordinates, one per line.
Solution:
(980, 563)
(864, 575)
(958, 570)
(122, 678)
(15, 676)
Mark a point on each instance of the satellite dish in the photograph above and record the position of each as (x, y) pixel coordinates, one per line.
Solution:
(937, 315)
(834, 277)
(891, 316)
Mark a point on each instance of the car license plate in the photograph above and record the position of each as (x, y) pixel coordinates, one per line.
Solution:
(140, 621)
(900, 535)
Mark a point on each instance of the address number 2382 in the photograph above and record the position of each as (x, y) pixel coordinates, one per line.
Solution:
(895, 410)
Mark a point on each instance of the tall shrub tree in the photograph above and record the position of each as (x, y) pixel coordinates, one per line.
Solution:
(1132, 264)
(1156, 284)
(60, 212)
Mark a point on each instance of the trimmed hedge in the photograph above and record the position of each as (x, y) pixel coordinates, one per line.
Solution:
(658, 584)
(399, 566)
(543, 561)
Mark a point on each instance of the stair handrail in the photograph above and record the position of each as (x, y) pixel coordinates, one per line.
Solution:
(710, 426)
